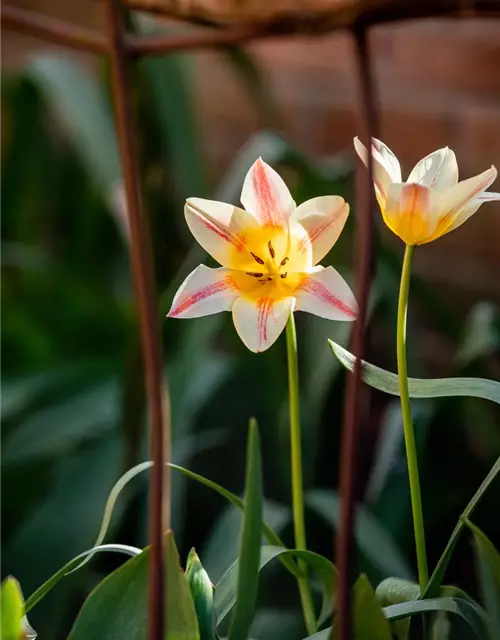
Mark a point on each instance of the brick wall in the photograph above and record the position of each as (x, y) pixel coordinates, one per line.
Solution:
(439, 84)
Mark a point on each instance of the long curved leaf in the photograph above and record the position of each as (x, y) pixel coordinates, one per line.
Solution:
(72, 565)
(420, 387)
(472, 614)
(225, 590)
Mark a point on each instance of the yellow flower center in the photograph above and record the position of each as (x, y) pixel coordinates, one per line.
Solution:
(271, 261)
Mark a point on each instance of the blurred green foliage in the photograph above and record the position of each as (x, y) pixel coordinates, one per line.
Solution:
(73, 406)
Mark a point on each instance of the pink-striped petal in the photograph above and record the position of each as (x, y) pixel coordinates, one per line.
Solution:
(323, 218)
(218, 227)
(266, 196)
(437, 170)
(326, 294)
(259, 323)
(204, 292)
(386, 168)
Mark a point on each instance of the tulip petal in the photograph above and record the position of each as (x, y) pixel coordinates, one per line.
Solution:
(323, 218)
(259, 323)
(409, 212)
(386, 168)
(218, 227)
(204, 292)
(437, 170)
(459, 203)
(266, 196)
(325, 293)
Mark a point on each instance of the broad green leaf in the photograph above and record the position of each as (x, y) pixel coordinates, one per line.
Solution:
(420, 387)
(488, 561)
(475, 617)
(436, 579)
(11, 609)
(248, 566)
(118, 606)
(372, 539)
(481, 335)
(78, 99)
(73, 565)
(202, 592)
(225, 590)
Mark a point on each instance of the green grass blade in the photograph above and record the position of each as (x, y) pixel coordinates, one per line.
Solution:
(488, 561)
(73, 565)
(248, 567)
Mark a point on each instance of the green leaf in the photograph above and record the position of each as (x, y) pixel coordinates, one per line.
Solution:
(372, 539)
(436, 579)
(369, 620)
(117, 608)
(488, 561)
(225, 590)
(393, 591)
(248, 566)
(11, 610)
(472, 613)
(73, 565)
(202, 592)
(420, 387)
(481, 334)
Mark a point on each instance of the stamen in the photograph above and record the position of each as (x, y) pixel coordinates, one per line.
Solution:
(254, 275)
(269, 279)
(271, 250)
(283, 275)
(262, 281)
(284, 261)
(256, 258)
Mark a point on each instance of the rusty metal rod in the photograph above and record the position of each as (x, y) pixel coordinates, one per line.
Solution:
(66, 34)
(143, 278)
(365, 202)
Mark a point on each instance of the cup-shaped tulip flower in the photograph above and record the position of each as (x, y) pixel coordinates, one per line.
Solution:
(432, 201)
(268, 252)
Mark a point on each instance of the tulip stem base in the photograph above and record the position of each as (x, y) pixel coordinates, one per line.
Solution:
(296, 466)
(409, 433)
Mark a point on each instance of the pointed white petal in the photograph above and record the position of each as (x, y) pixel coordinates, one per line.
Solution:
(326, 294)
(437, 170)
(218, 227)
(204, 292)
(386, 168)
(266, 196)
(259, 323)
(459, 203)
(323, 218)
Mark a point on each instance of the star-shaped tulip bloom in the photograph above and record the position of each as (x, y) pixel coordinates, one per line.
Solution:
(267, 251)
(431, 202)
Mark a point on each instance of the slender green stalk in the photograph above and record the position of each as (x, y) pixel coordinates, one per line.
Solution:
(297, 483)
(411, 450)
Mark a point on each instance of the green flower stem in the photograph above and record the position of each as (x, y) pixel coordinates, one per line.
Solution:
(411, 450)
(297, 484)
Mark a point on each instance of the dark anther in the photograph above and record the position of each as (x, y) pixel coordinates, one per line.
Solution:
(271, 250)
(284, 261)
(256, 258)
(283, 275)
(254, 275)
(262, 281)
(269, 279)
